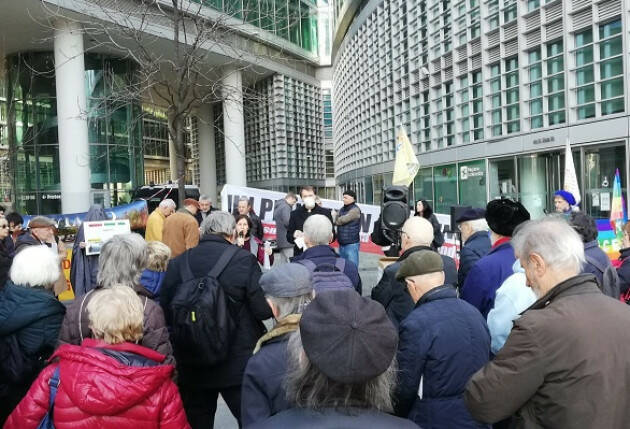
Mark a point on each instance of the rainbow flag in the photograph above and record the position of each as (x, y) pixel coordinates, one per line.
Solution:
(618, 216)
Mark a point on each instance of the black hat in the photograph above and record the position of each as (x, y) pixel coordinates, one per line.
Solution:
(472, 213)
(351, 193)
(504, 215)
(347, 337)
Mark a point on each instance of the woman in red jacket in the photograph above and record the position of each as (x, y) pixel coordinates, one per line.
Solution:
(108, 381)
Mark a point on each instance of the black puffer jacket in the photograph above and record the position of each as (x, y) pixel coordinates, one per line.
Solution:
(30, 319)
(240, 282)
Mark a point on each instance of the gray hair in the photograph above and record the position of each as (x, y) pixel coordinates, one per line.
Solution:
(35, 266)
(553, 240)
(292, 305)
(318, 230)
(246, 200)
(307, 387)
(205, 198)
(218, 223)
(167, 204)
(122, 260)
(477, 225)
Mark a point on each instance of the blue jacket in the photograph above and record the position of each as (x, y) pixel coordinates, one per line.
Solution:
(592, 250)
(323, 254)
(623, 270)
(476, 247)
(486, 276)
(443, 342)
(152, 281)
(330, 418)
(262, 393)
(512, 298)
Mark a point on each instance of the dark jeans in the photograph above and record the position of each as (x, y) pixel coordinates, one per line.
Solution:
(201, 404)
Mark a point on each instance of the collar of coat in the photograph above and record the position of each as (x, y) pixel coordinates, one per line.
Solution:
(476, 236)
(440, 292)
(284, 326)
(579, 285)
(409, 251)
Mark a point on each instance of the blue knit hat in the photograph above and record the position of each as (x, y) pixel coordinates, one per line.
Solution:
(567, 196)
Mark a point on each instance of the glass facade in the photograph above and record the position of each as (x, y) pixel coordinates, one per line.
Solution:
(114, 131)
(293, 20)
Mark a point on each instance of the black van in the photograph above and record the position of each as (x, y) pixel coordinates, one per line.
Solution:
(154, 194)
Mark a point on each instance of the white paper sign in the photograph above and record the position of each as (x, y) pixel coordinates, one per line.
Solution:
(604, 201)
(98, 232)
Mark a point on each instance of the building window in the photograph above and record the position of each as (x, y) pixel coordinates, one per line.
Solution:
(600, 166)
(534, 72)
(512, 113)
(445, 188)
(611, 68)
(423, 185)
(495, 99)
(472, 183)
(502, 178)
(532, 5)
(555, 83)
(584, 75)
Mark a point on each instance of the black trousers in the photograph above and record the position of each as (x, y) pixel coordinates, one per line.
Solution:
(201, 404)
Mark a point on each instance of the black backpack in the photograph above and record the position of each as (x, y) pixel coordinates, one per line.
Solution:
(610, 279)
(202, 325)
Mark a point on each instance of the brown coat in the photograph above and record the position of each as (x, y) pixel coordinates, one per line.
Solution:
(181, 232)
(75, 329)
(564, 365)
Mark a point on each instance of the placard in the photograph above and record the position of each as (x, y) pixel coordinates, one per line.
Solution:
(98, 232)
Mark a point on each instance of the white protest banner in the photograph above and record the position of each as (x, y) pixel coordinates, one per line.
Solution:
(98, 232)
(263, 203)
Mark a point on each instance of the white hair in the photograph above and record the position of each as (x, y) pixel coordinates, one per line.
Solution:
(218, 223)
(477, 225)
(419, 230)
(35, 266)
(318, 230)
(205, 198)
(167, 204)
(553, 240)
(122, 260)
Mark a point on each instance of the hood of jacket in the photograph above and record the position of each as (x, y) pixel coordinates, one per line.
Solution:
(20, 306)
(318, 251)
(152, 280)
(101, 385)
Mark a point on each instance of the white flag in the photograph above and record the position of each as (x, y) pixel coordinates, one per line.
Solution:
(570, 178)
(406, 166)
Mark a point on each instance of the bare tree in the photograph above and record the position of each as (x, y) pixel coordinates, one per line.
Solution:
(180, 49)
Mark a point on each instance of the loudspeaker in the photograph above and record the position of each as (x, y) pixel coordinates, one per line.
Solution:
(395, 210)
(456, 211)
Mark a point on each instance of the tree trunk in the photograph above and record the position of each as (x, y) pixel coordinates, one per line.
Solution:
(180, 154)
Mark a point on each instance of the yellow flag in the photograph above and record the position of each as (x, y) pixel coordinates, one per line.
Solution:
(407, 165)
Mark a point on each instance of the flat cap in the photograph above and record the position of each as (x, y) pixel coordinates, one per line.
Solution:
(42, 222)
(287, 281)
(472, 213)
(347, 337)
(418, 263)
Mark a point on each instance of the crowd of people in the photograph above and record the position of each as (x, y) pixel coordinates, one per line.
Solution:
(528, 330)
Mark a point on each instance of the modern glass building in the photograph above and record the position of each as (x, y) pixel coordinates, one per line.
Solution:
(72, 142)
(114, 132)
(488, 91)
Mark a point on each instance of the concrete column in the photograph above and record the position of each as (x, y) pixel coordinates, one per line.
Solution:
(207, 153)
(234, 128)
(74, 150)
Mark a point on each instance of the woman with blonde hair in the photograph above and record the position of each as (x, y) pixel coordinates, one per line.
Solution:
(109, 381)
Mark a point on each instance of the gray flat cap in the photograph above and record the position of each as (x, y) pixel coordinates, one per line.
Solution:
(287, 281)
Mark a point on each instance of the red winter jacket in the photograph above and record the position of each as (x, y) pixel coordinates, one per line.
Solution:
(127, 388)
